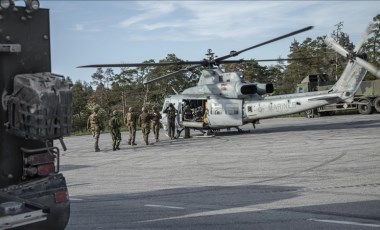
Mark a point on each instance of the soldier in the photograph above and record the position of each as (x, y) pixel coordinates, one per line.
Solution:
(94, 125)
(171, 113)
(187, 113)
(144, 123)
(115, 126)
(131, 121)
(156, 116)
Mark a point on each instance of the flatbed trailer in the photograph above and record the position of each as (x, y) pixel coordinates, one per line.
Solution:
(365, 101)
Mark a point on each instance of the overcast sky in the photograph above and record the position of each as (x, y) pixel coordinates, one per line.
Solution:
(94, 32)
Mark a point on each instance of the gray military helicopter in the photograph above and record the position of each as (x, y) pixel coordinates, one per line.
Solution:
(224, 100)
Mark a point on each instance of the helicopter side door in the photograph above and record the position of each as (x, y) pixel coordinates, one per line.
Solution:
(224, 112)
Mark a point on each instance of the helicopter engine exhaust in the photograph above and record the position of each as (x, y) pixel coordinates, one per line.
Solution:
(248, 89)
(264, 88)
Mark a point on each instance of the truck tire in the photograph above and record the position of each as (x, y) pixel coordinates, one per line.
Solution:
(365, 108)
(376, 104)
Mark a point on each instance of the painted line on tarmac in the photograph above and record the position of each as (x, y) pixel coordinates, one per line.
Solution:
(162, 206)
(75, 199)
(346, 223)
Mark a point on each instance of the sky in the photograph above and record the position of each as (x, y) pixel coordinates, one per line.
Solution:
(104, 32)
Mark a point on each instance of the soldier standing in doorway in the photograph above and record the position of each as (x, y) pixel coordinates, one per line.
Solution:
(115, 126)
(144, 123)
(171, 113)
(156, 116)
(131, 121)
(94, 125)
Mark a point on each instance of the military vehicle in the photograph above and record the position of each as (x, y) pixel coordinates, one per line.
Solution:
(366, 99)
(224, 100)
(35, 111)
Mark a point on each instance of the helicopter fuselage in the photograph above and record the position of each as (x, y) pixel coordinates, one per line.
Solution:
(212, 107)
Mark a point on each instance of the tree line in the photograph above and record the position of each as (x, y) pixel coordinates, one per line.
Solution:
(124, 89)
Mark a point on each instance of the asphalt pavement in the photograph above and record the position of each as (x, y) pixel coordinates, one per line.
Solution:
(288, 173)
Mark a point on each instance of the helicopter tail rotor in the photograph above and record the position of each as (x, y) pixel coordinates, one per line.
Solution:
(353, 56)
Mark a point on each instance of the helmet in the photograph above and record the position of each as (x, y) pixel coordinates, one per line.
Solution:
(114, 113)
(170, 104)
(96, 108)
(130, 109)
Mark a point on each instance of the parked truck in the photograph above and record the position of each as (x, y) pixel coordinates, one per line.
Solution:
(35, 114)
(366, 99)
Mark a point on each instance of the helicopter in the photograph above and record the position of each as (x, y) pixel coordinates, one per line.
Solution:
(224, 100)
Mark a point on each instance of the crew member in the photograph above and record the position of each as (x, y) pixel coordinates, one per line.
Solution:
(144, 123)
(171, 114)
(130, 120)
(115, 126)
(94, 125)
(156, 116)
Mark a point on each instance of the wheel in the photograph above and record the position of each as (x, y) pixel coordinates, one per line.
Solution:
(376, 104)
(364, 107)
(331, 113)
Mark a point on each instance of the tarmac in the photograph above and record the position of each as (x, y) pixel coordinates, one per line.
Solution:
(288, 173)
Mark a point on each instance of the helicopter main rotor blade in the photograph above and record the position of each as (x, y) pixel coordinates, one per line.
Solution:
(141, 64)
(235, 53)
(184, 70)
(364, 37)
(264, 60)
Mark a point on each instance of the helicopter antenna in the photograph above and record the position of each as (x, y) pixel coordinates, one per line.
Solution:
(175, 91)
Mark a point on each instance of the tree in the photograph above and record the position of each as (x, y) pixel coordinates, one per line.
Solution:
(372, 46)
(343, 39)
(80, 94)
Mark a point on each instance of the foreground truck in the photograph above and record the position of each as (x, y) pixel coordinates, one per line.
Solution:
(366, 99)
(35, 114)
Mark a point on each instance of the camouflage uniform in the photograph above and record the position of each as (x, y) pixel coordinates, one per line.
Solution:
(131, 121)
(156, 116)
(115, 126)
(171, 111)
(144, 122)
(95, 126)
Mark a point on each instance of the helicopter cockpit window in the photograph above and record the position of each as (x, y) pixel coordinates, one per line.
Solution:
(250, 109)
(232, 109)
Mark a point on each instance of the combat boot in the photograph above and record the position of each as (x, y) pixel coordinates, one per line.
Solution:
(97, 150)
(134, 143)
(129, 142)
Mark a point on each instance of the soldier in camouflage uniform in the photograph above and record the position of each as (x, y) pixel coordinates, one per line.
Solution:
(144, 123)
(156, 116)
(131, 121)
(94, 125)
(115, 126)
(171, 114)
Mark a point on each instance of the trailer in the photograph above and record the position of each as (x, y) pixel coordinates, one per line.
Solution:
(365, 101)
(35, 113)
